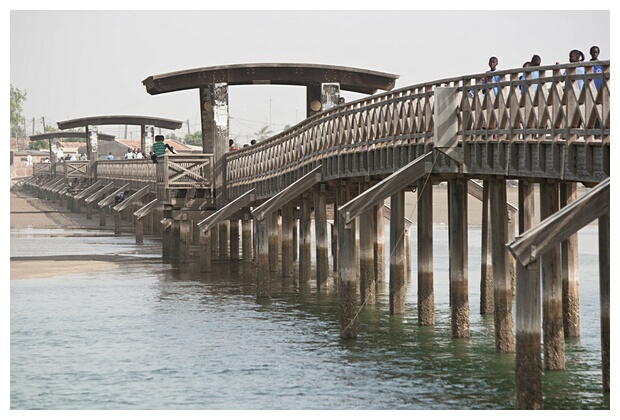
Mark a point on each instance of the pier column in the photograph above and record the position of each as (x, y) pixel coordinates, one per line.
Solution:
(139, 230)
(305, 238)
(261, 257)
(205, 251)
(553, 323)
(287, 240)
(234, 239)
(502, 288)
(167, 239)
(320, 234)
(570, 270)
(457, 238)
(185, 238)
(528, 363)
(368, 230)
(398, 287)
(335, 235)
(223, 229)
(215, 243)
(347, 273)
(118, 222)
(273, 235)
(486, 267)
(102, 215)
(426, 288)
(246, 237)
(175, 242)
(89, 210)
(604, 256)
(379, 244)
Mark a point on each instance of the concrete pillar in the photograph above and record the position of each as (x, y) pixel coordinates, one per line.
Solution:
(457, 238)
(486, 267)
(223, 229)
(273, 235)
(604, 285)
(139, 230)
(528, 368)
(379, 244)
(261, 256)
(305, 239)
(426, 289)
(287, 240)
(398, 287)
(553, 323)
(185, 238)
(347, 275)
(246, 237)
(335, 236)
(320, 234)
(570, 270)
(234, 240)
(368, 231)
(502, 289)
(205, 251)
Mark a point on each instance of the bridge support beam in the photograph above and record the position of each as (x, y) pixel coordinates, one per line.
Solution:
(347, 274)
(457, 239)
(528, 366)
(320, 234)
(335, 236)
(398, 286)
(570, 270)
(604, 285)
(305, 238)
(205, 251)
(273, 232)
(502, 290)
(287, 240)
(368, 230)
(486, 259)
(246, 236)
(379, 245)
(426, 290)
(261, 252)
(553, 324)
(234, 239)
(224, 239)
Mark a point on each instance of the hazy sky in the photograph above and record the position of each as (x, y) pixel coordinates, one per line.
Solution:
(76, 64)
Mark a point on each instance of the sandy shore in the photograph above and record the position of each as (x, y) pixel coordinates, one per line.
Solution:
(29, 212)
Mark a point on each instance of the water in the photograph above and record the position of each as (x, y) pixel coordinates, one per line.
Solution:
(149, 335)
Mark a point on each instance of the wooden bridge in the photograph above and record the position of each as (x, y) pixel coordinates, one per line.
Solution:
(549, 129)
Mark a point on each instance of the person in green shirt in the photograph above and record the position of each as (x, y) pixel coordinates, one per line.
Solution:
(159, 148)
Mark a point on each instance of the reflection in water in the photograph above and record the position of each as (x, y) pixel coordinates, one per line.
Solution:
(165, 336)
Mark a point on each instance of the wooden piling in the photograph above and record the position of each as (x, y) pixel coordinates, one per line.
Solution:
(205, 251)
(457, 238)
(246, 237)
(397, 253)
(185, 238)
(368, 230)
(261, 256)
(553, 323)
(486, 267)
(102, 215)
(139, 230)
(528, 363)
(570, 270)
(604, 258)
(234, 239)
(287, 240)
(347, 275)
(273, 235)
(426, 291)
(175, 236)
(502, 289)
(305, 239)
(335, 236)
(379, 245)
(223, 230)
(320, 234)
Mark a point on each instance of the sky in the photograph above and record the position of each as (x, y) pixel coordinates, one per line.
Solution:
(75, 64)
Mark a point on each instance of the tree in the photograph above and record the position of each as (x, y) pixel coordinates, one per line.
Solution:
(263, 133)
(194, 139)
(17, 99)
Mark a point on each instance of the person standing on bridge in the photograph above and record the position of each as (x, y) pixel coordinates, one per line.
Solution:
(159, 148)
(493, 62)
(594, 52)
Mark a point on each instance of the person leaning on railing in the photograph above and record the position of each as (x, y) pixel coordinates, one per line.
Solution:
(159, 148)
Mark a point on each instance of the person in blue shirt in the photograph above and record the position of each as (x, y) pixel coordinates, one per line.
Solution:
(535, 62)
(522, 77)
(110, 156)
(493, 62)
(594, 52)
(576, 56)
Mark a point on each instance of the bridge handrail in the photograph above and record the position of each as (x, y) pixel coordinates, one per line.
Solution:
(550, 107)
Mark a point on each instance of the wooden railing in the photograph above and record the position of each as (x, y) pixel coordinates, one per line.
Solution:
(520, 106)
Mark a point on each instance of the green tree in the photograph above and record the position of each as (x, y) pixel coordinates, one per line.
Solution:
(195, 139)
(17, 100)
(263, 133)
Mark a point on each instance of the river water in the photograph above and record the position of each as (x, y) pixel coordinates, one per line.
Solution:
(152, 335)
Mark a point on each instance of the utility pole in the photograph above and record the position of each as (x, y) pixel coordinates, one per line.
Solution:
(125, 131)
(188, 133)
(32, 125)
(43, 121)
(270, 114)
